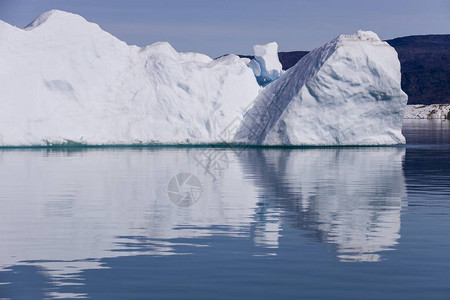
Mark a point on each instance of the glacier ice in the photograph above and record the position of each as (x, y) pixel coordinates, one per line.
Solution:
(266, 66)
(66, 81)
(346, 92)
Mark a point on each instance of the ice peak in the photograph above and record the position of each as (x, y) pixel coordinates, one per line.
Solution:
(266, 65)
(361, 35)
(57, 16)
(367, 35)
(160, 47)
(266, 49)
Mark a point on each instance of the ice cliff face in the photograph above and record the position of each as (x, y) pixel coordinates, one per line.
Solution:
(346, 92)
(66, 81)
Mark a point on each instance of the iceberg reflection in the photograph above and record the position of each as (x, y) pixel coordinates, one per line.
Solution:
(351, 198)
(65, 211)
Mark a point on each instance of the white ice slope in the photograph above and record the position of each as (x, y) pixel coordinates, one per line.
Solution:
(65, 80)
(346, 92)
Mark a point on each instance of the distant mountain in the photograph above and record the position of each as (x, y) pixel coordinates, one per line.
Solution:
(289, 59)
(425, 62)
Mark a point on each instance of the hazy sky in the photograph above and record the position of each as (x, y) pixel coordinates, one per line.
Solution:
(219, 27)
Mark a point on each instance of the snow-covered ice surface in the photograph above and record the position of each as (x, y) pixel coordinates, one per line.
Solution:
(66, 81)
(346, 92)
(433, 111)
(266, 64)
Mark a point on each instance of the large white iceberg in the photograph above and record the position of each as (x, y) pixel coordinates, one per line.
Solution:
(66, 81)
(346, 92)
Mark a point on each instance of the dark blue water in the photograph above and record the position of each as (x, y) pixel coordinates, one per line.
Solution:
(336, 223)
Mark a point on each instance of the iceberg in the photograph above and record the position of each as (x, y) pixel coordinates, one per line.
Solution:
(266, 65)
(65, 81)
(346, 92)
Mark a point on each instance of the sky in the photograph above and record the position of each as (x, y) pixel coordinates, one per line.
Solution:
(220, 27)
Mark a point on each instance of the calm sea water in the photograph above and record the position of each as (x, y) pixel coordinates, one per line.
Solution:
(199, 223)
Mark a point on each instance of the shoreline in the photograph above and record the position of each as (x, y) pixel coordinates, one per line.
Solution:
(431, 111)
